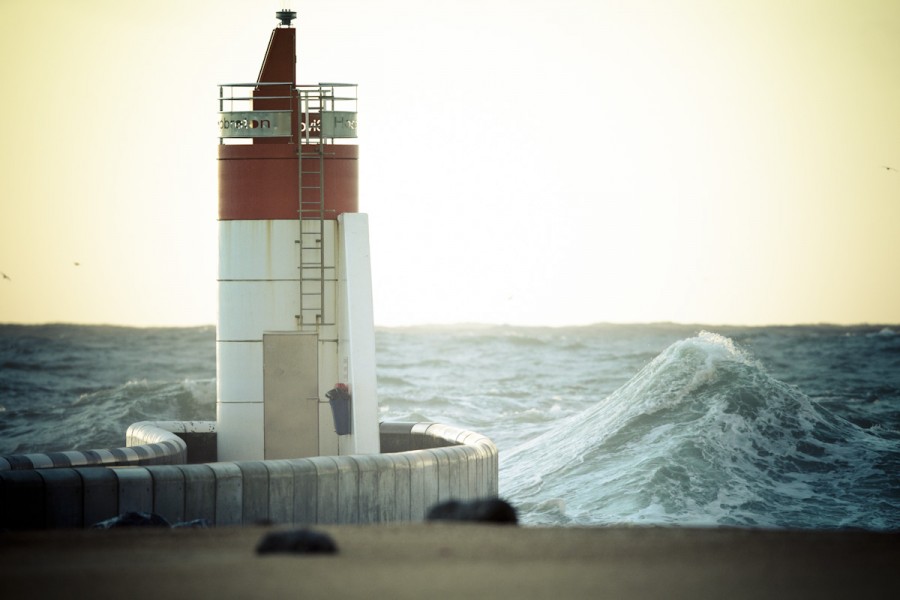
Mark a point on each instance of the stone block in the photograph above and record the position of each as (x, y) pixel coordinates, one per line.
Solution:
(348, 490)
(63, 498)
(254, 492)
(168, 492)
(100, 487)
(22, 505)
(135, 489)
(199, 492)
(229, 493)
(309, 478)
(281, 491)
(327, 486)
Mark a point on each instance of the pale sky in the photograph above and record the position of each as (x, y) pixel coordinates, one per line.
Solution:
(524, 162)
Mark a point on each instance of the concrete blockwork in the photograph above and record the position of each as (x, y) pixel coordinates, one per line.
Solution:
(428, 463)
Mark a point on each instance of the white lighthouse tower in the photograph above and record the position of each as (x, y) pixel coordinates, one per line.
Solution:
(295, 336)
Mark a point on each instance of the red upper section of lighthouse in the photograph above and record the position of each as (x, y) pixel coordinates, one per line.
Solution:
(280, 63)
(264, 180)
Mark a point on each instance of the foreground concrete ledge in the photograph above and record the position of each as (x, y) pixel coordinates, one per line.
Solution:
(402, 561)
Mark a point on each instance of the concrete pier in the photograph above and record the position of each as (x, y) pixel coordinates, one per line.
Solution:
(454, 561)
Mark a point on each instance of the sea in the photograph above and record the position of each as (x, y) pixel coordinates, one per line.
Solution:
(652, 424)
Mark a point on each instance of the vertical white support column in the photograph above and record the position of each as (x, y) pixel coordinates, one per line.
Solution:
(357, 333)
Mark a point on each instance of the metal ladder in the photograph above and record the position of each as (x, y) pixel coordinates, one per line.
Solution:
(314, 272)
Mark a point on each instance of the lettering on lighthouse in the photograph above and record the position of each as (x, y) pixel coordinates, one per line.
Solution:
(329, 124)
(255, 123)
(339, 124)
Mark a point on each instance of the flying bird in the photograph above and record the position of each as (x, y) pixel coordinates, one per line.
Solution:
(890, 169)
(5, 276)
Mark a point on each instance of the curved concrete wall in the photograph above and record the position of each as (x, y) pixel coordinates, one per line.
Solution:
(146, 443)
(425, 463)
(158, 447)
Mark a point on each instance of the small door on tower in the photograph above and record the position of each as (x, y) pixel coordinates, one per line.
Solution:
(291, 394)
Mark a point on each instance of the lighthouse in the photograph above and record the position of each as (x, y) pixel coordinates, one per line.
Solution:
(295, 342)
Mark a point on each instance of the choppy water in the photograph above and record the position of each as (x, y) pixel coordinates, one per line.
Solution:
(774, 426)
(67, 387)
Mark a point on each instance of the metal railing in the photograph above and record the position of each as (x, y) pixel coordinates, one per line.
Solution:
(327, 112)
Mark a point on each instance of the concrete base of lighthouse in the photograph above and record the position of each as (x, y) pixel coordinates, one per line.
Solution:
(273, 373)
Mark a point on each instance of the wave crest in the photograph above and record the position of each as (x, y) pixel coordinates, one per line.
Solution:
(704, 435)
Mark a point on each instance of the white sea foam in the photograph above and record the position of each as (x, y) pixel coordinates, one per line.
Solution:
(704, 435)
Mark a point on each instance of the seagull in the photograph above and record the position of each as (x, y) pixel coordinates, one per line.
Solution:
(77, 264)
(890, 169)
(5, 276)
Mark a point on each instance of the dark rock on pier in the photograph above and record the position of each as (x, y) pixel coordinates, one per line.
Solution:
(297, 541)
(493, 510)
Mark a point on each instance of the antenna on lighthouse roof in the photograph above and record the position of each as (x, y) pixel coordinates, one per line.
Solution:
(286, 16)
